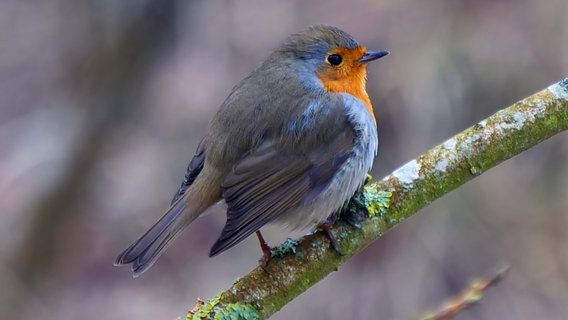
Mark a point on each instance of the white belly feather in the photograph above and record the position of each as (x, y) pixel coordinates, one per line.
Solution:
(348, 179)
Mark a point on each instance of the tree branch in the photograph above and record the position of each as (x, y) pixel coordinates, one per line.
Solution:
(440, 170)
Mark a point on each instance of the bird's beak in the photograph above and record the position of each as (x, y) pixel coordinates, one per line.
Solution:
(373, 55)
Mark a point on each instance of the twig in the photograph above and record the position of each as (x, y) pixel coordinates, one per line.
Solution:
(468, 297)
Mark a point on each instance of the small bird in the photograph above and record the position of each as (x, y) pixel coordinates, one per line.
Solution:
(290, 145)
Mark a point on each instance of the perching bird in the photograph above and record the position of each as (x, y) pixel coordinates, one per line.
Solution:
(291, 144)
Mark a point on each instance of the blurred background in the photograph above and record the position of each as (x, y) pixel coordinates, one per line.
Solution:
(103, 104)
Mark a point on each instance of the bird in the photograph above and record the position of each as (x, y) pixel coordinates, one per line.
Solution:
(290, 145)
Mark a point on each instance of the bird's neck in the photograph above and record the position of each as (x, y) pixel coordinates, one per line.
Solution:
(354, 85)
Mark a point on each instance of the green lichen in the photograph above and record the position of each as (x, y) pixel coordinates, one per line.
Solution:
(237, 311)
(370, 199)
(233, 311)
(551, 121)
(204, 311)
(288, 246)
(474, 170)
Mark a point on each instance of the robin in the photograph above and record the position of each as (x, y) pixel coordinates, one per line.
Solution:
(290, 145)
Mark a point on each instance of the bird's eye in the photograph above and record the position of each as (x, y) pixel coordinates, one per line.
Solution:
(334, 59)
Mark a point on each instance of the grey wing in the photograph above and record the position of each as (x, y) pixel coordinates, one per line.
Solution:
(267, 182)
(193, 169)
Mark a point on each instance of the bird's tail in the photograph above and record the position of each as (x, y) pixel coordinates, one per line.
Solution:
(150, 246)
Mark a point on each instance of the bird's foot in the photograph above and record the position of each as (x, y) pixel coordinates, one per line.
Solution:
(325, 227)
(266, 251)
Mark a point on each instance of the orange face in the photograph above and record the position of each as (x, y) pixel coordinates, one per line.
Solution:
(344, 73)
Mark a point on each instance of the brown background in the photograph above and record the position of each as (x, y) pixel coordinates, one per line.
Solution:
(103, 103)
